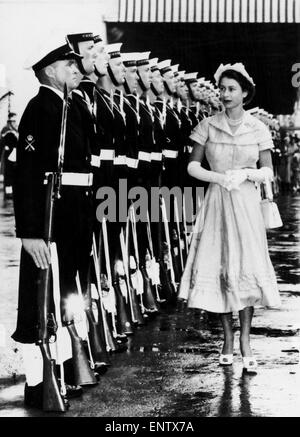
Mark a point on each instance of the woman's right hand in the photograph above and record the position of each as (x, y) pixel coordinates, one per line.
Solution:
(197, 171)
(38, 250)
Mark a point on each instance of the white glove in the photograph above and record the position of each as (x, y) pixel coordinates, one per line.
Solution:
(197, 171)
(261, 175)
(237, 178)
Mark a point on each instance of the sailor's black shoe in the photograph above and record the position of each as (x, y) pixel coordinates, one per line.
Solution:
(100, 367)
(33, 396)
(73, 391)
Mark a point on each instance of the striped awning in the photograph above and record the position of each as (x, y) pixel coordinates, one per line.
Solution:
(207, 11)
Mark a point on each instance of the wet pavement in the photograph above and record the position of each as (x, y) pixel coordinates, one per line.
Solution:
(171, 367)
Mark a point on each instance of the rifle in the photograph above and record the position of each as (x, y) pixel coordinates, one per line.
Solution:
(139, 277)
(186, 244)
(154, 264)
(136, 315)
(83, 371)
(100, 326)
(148, 301)
(168, 282)
(123, 317)
(167, 235)
(176, 213)
(95, 344)
(53, 400)
(122, 323)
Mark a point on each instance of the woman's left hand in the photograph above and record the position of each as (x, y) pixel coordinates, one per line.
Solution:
(237, 178)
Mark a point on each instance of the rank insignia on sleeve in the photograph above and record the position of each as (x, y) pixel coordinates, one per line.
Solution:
(29, 143)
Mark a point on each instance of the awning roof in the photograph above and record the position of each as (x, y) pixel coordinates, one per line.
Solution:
(207, 11)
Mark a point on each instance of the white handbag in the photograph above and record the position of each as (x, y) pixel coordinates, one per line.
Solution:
(269, 208)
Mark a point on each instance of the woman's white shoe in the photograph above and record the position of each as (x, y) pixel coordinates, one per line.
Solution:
(250, 365)
(226, 360)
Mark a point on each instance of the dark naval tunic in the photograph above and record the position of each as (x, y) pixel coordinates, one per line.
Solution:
(37, 154)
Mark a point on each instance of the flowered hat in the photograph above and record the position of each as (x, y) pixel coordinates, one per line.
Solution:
(239, 67)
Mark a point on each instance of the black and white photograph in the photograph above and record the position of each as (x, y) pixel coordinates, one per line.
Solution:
(150, 211)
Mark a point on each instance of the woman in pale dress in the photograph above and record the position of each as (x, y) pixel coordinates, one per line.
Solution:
(228, 267)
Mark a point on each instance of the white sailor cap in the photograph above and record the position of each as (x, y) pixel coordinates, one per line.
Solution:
(175, 69)
(97, 38)
(181, 74)
(50, 49)
(114, 50)
(190, 77)
(153, 64)
(207, 83)
(253, 110)
(129, 59)
(143, 58)
(164, 66)
(74, 38)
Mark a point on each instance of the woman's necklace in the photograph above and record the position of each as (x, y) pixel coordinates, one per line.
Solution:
(234, 122)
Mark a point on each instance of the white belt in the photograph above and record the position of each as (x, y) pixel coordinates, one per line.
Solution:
(95, 161)
(120, 160)
(131, 162)
(145, 156)
(156, 156)
(75, 179)
(107, 154)
(170, 153)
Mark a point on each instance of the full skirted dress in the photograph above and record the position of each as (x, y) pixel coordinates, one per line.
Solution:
(228, 266)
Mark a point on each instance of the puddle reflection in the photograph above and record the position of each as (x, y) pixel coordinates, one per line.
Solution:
(236, 398)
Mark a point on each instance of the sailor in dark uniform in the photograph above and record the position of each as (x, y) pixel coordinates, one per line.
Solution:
(146, 139)
(172, 125)
(105, 118)
(37, 153)
(84, 45)
(205, 91)
(84, 96)
(172, 165)
(161, 143)
(193, 97)
(130, 106)
(214, 101)
(115, 80)
(181, 107)
(199, 109)
(113, 150)
(156, 90)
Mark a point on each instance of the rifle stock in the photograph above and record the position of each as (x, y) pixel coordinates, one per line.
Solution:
(82, 370)
(149, 234)
(148, 298)
(111, 343)
(97, 337)
(167, 288)
(123, 320)
(176, 212)
(135, 310)
(52, 399)
(168, 243)
(98, 330)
